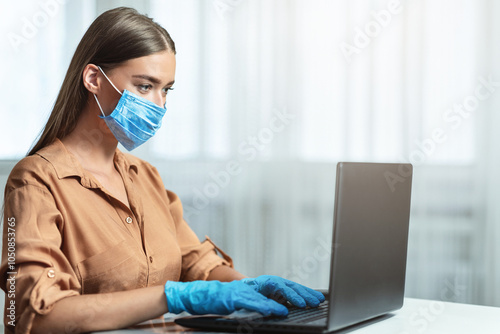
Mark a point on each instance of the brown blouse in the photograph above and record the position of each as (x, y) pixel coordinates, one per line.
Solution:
(65, 235)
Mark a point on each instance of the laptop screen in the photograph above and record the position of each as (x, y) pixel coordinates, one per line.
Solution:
(371, 220)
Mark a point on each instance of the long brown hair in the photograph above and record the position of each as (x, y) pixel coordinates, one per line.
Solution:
(117, 35)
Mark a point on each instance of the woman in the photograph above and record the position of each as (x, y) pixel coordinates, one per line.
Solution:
(92, 240)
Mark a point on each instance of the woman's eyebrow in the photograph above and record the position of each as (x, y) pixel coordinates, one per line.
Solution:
(151, 79)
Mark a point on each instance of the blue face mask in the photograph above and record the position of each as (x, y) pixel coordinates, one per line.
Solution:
(134, 119)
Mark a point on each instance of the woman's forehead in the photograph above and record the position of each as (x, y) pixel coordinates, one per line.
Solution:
(159, 65)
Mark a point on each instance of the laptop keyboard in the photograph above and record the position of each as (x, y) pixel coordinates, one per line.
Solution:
(306, 315)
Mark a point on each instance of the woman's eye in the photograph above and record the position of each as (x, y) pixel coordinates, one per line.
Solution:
(144, 88)
(165, 90)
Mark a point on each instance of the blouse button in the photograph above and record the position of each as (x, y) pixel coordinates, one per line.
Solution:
(129, 220)
(51, 273)
(151, 259)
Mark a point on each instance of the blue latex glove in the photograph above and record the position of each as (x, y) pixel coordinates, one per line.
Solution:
(205, 297)
(280, 288)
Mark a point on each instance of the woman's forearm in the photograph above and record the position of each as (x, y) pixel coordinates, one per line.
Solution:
(224, 274)
(115, 310)
(105, 311)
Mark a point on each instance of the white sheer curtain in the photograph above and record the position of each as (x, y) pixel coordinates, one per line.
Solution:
(486, 174)
(361, 80)
(269, 95)
(38, 40)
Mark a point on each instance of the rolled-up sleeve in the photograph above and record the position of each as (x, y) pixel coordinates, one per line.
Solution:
(198, 258)
(35, 272)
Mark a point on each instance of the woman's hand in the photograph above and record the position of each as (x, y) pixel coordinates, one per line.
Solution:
(279, 288)
(205, 297)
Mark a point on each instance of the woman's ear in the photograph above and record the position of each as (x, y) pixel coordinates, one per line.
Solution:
(91, 79)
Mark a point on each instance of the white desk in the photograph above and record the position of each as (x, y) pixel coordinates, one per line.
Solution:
(416, 317)
(425, 316)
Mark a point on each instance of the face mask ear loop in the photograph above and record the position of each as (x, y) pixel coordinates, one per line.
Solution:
(109, 80)
(102, 112)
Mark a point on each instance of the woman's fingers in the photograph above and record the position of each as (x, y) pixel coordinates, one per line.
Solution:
(255, 301)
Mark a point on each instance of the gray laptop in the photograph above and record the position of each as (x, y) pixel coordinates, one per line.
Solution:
(368, 265)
